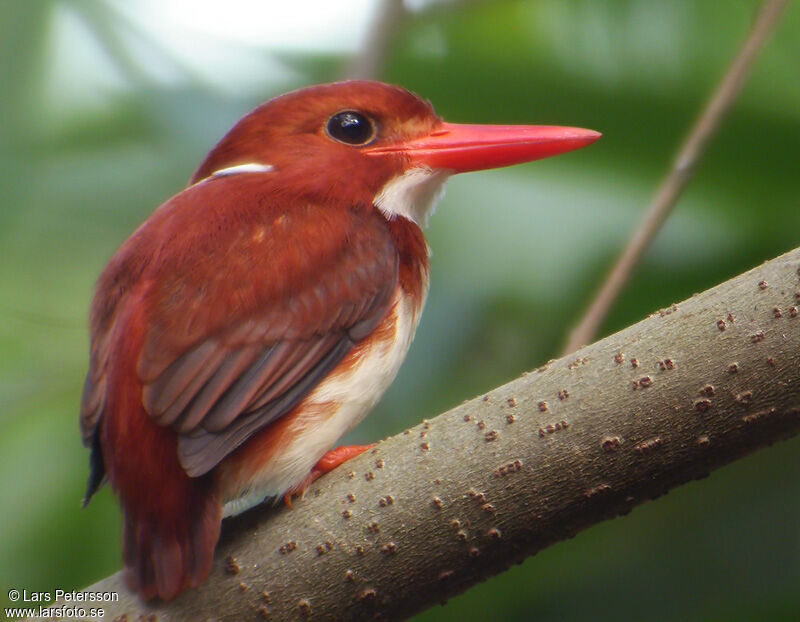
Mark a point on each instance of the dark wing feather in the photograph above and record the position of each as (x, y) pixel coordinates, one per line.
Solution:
(201, 450)
(93, 404)
(238, 405)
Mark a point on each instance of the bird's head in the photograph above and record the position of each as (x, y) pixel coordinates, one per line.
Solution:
(373, 144)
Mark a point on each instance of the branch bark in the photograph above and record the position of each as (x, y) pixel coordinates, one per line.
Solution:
(443, 506)
(674, 182)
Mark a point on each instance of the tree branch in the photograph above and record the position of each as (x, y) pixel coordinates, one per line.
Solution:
(443, 506)
(679, 175)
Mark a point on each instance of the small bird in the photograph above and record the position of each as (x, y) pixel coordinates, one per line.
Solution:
(259, 314)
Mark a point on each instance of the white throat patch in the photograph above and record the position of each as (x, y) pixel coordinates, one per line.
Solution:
(413, 194)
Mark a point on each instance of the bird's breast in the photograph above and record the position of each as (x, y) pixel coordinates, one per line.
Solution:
(281, 456)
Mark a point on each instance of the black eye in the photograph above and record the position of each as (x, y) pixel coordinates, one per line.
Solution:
(350, 127)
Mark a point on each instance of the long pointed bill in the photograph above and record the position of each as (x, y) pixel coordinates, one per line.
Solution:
(461, 148)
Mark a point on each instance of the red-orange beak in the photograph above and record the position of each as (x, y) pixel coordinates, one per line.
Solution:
(461, 148)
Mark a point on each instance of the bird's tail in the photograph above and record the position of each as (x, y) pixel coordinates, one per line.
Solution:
(171, 521)
(163, 555)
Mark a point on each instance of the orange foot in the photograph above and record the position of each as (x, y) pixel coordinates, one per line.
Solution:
(327, 463)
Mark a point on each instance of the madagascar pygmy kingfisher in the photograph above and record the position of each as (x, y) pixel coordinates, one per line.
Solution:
(258, 315)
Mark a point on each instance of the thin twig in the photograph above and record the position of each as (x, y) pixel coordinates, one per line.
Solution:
(369, 62)
(679, 175)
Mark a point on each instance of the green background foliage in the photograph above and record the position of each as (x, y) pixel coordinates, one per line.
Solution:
(517, 255)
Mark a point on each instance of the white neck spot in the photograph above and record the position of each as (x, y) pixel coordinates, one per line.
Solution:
(413, 194)
(250, 167)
